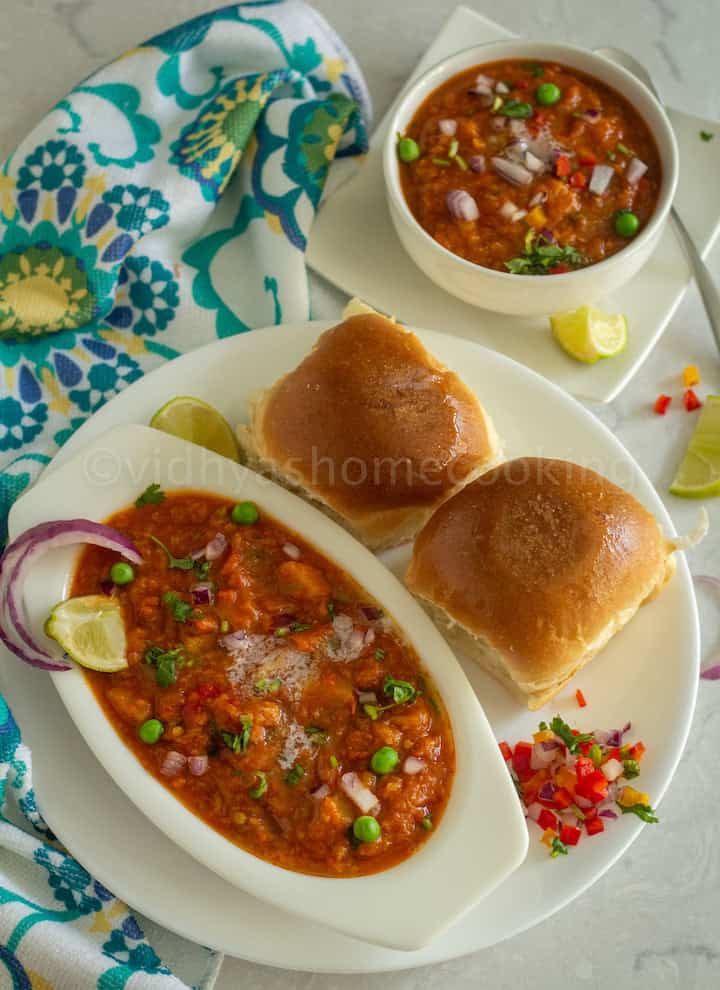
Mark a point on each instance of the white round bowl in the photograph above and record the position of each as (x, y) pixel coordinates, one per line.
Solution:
(529, 295)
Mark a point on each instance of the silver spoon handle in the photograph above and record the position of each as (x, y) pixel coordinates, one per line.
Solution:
(705, 283)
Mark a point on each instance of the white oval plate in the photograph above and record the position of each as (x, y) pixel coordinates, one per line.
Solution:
(106, 476)
(648, 674)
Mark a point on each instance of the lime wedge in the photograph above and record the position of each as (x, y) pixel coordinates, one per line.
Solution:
(91, 631)
(196, 421)
(588, 334)
(699, 473)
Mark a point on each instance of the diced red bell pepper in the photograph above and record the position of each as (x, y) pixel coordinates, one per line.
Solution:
(691, 401)
(589, 813)
(637, 751)
(594, 825)
(585, 748)
(562, 165)
(589, 161)
(559, 269)
(593, 787)
(661, 404)
(521, 757)
(506, 751)
(546, 819)
(569, 835)
(580, 698)
(614, 754)
(524, 775)
(578, 180)
(562, 798)
(584, 767)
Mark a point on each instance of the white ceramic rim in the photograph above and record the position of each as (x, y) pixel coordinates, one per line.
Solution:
(627, 86)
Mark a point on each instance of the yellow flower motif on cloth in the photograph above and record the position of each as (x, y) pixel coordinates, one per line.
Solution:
(334, 68)
(42, 290)
(210, 147)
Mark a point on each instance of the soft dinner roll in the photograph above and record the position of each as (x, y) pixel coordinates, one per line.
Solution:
(535, 566)
(372, 428)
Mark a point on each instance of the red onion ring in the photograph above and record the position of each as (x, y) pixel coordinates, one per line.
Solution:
(173, 763)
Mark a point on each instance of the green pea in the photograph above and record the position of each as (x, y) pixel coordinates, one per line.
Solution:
(384, 760)
(121, 573)
(547, 94)
(245, 513)
(407, 149)
(366, 828)
(151, 730)
(626, 223)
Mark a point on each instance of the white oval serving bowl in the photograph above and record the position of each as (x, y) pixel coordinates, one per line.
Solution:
(482, 836)
(529, 295)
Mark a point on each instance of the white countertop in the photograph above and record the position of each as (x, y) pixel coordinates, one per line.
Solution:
(652, 921)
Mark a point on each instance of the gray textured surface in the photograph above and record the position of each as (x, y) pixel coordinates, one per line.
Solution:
(652, 921)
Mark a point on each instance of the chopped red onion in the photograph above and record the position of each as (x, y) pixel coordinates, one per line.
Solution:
(534, 163)
(541, 757)
(216, 547)
(18, 559)
(320, 792)
(483, 85)
(370, 612)
(291, 551)
(173, 764)
(447, 126)
(356, 642)
(461, 205)
(600, 179)
(547, 235)
(502, 88)
(477, 163)
(369, 637)
(515, 152)
(499, 123)
(592, 115)
(197, 765)
(203, 593)
(582, 802)
(517, 174)
(342, 626)
(534, 811)
(413, 765)
(537, 199)
(367, 698)
(547, 791)
(608, 813)
(635, 171)
(711, 673)
(612, 769)
(508, 210)
(518, 215)
(550, 744)
(359, 794)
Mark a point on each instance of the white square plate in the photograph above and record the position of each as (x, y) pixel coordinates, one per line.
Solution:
(353, 244)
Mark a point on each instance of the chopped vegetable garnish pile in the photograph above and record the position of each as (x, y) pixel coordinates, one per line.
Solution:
(572, 782)
(690, 399)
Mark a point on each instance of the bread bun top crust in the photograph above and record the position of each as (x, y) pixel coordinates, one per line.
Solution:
(369, 420)
(537, 557)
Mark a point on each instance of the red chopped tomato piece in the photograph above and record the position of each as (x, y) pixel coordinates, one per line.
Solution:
(661, 404)
(562, 798)
(578, 180)
(580, 698)
(691, 401)
(562, 165)
(506, 751)
(593, 787)
(594, 825)
(559, 269)
(546, 819)
(569, 835)
(585, 748)
(521, 757)
(589, 161)
(584, 767)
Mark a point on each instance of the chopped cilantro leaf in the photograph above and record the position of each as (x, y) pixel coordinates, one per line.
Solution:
(515, 109)
(631, 769)
(238, 742)
(558, 848)
(399, 691)
(176, 563)
(265, 686)
(316, 734)
(181, 611)
(539, 257)
(153, 495)
(643, 811)
(295, 775)
(564, 732)
(165, 663)
(201, 569)
(706, 135)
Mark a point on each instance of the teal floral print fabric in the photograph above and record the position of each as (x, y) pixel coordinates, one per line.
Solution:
(114, 249)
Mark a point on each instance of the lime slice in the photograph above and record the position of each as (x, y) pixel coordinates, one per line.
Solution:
(699, 473)
(588, 334)
(91, 631)
(196, 421)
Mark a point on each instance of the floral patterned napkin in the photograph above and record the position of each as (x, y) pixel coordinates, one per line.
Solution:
(165, 202)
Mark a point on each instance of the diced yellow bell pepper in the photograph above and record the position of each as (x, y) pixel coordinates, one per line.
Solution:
(567, 779)
(547, 837)
(537, 218)
(691, 376)
(630, 796)
(547, 735)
